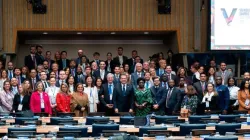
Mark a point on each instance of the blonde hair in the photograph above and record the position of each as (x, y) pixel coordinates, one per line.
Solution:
(64, 84)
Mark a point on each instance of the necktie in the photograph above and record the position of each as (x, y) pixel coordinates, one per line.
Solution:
(10, 75)
(45, 85)
(165, 85)
(123, 90)
(79, 78)
(169, 93)
(168, 77)
(34, 60)
(110, 89)
(73, 72)
(147, 84)
(139, 74)
(19, 80)
(64, 63)
(102, 74)
(33, 83)
(203, 87)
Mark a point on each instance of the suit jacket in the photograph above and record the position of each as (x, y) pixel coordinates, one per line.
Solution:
(174, 100)
(224, 97)
(134, 78)
(50, 63)
(106, 98)
(35, 103)
(112, 65)
(159, 96)
(199, 92)
(124, 102)
(22, 79)
(117, 62)
(131, 64)
(116, 80)
(78, 79)
(58, 84)
(159, 72)
(97, 74)
(25, 102)
(174, 77)
(60, 63)
(8, 72)
(97, 61)
(226, 76)
(31, 83)
(29, 62)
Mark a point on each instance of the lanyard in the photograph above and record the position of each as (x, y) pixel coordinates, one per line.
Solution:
(91, 92)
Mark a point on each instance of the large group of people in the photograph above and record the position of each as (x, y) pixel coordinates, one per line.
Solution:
(119, 84)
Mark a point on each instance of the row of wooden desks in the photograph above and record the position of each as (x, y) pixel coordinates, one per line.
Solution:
(126, 128)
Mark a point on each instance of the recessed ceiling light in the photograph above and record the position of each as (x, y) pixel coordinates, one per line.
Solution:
(45, 33)
(146, 33)
(79, 33)
(112, 33)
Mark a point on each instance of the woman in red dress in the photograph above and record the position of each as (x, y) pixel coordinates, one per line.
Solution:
(63, 99)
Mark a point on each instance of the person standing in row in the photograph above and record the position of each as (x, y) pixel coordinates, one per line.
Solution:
(63, 99)
(21, 101)
(6, 96)
(79, 101)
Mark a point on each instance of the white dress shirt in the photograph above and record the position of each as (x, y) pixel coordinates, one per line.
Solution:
(52, 92)
(92, 97)
(233, 91)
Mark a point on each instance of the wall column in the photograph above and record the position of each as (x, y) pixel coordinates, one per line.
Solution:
(1, 25)
(197, 24)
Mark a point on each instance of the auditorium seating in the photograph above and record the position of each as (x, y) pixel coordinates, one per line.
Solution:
(195, 119)
(127, 120)
(229, 118)
(221, 138)
(91, 120)
(164, 119)
(20, 120)
(223, 128)
(144, 130)
(21, 131)
(83, 131)
(185, 129)
(97, 129)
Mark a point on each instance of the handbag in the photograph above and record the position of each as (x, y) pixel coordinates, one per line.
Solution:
(185, 113)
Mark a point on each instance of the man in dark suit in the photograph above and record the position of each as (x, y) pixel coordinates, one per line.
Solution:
(136, 75)
(124, 96)
(224, 96)
(72, 68)
(120, 59)
(106, 95)
(223, 73)
(196, 74)
(116, 75)
(63, 62)
(173, 99)
(200, 88)
(32, 60)
(33, 78)
(101, 72)
(169, 74)
(20, 79)
(46, 68)
(48, 59)
(62, 78)
(131, 61)
(110, 64)
(159, 97)
(43, 79)
(79, 59)
(10, 70)
(96, 56)
(162, 67)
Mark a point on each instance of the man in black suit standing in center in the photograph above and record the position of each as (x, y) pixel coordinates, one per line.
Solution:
(124, 96)
(101, 72)
(159, 96)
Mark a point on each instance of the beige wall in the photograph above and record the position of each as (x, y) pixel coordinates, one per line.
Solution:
(144, 50)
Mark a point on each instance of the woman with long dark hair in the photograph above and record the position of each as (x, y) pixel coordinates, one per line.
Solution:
(91, 90)
(233, 91)
(21, 100)
(244, 97)
(6, 96)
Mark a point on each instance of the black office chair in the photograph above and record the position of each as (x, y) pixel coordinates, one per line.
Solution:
(164, 119)
(223, 128)
(93, 114)
(127, 120)
(196, 119)
(74, 131)
(21, 120)
(67, 122)
(21, 132)
(222, 138)
(42, 114)
(98, 128)
(185, 129)
(57, 120)
(91, 120)
(229, 118)
(144, 130)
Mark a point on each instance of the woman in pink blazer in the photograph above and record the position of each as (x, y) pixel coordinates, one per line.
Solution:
(39, 101)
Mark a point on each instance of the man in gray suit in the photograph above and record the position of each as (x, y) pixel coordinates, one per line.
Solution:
(223, 73)
(137, 74)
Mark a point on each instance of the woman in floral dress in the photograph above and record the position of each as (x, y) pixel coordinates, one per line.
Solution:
(190, 100)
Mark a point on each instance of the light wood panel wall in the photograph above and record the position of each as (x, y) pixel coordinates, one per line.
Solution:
(128, 15)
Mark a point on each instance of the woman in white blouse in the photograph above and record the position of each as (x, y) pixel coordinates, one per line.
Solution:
(210, 99)
(233, 92)
(52, 91)
(3, 78)
(91, 90)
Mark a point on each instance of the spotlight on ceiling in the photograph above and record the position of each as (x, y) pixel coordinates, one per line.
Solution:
(113, 33)
(45, 33)
(146, 33)
(79, 33)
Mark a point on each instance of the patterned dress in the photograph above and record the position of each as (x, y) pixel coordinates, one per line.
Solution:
(142, 96)
(190, 103)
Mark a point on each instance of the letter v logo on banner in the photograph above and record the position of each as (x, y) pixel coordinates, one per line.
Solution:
(229, 19)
